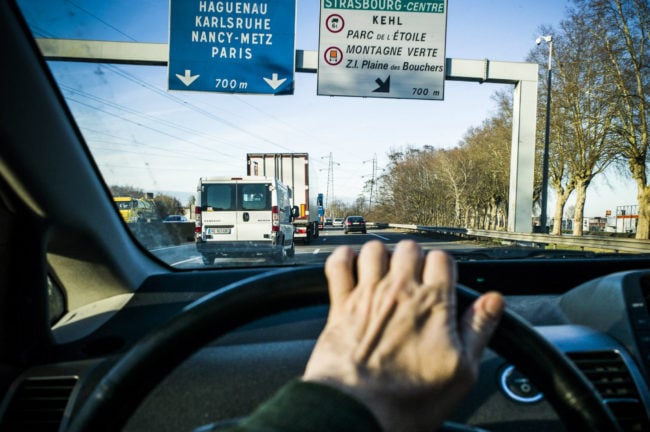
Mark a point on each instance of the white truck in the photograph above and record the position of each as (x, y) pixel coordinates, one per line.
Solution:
(243, 217)
(293, 169)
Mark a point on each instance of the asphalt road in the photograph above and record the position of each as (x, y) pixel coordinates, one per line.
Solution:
(185, 256)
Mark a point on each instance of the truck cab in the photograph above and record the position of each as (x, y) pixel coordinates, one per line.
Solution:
(243, 217)
(135, 210)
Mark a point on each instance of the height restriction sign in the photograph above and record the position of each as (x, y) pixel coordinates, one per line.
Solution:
(382, 48)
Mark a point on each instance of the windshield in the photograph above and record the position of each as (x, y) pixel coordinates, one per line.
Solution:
(461, 124)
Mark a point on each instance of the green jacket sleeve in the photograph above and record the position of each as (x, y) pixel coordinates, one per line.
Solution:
(308, 407)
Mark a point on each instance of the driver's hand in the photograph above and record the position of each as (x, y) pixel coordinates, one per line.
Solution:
(392, 338)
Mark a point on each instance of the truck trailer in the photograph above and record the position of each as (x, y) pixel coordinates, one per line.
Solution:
(292, 169)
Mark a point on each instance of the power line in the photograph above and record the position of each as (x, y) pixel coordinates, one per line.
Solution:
(330, 179)
(179, 100)
(101, 20)
(194, 107)
(173, 125)
(137, 123)
(372, 180)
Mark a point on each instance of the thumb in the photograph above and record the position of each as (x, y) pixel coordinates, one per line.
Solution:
(479, 322)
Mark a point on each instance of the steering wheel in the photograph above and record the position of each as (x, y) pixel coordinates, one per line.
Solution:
(141, 368)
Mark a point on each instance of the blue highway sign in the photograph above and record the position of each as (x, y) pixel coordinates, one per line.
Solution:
(232, 46)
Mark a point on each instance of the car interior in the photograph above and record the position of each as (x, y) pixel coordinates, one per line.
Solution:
(96, 333)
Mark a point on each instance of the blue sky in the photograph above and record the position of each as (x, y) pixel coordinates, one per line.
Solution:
(148, 137)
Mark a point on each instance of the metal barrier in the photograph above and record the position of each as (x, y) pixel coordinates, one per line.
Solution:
(592, 242)
(158, 234)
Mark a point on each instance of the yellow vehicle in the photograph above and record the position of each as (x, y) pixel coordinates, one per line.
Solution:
(135, 209)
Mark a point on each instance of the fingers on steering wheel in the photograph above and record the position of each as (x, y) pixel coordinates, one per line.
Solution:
(439, 275)
(406, 262)
(339, 271)
(372, 263)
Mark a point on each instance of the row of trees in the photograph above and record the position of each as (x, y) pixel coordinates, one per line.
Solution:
(464, 186)
(599, 118)
(599, 109)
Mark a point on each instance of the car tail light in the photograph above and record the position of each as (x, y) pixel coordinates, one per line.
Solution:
(197, 217)
(275, 219)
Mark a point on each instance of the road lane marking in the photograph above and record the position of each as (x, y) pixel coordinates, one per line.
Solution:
(189, 260)
(316, 251)
(381, 237)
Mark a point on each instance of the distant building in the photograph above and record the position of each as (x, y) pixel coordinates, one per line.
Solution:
(567, 224)
(594, 224)
(624, 221)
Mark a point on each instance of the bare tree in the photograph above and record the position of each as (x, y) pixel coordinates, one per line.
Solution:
(621, 28)
(455, 170)
(586, 110)
(126, 190)
(581, 116)
(487, 150)
(166, 205)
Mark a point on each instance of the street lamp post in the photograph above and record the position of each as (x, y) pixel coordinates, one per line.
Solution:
(542, 219)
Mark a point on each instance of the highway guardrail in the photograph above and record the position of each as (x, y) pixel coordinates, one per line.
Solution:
(615, 244)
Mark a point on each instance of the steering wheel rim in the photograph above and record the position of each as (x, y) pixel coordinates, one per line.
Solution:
(127, 383)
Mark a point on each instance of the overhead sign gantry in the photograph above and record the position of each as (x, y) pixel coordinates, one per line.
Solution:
(382, 48)
(232, 47)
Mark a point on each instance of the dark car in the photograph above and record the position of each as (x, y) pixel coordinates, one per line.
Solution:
(354, 224)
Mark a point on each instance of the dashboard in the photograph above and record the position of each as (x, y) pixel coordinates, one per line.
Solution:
(602, 325)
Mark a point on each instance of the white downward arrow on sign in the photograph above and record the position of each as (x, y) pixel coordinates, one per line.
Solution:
(188, 78)
(274, 82)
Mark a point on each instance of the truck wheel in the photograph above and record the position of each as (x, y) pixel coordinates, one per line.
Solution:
(208, 259)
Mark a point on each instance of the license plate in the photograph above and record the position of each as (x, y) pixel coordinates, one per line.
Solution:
(217, 230)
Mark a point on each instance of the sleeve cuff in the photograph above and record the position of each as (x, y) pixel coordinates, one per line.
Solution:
(311, 407)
